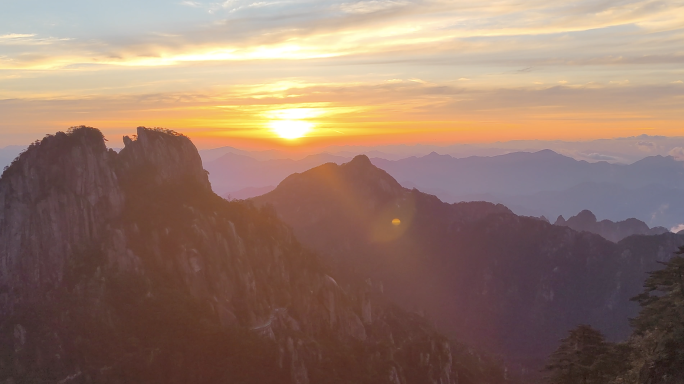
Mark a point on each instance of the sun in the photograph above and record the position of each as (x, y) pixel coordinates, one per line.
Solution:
(290, 129)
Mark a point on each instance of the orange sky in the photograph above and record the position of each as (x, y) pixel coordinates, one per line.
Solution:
(346, 72)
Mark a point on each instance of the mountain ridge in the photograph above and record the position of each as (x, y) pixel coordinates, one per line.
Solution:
(128, 268)
(483, 274)
(610, 230)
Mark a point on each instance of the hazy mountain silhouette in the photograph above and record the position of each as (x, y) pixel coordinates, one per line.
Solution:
(540, 183)
(126, 268)
(653, 204)
(209, 155)
(546, 183)
(233, 172)
(512, 284)
(527, 173)
(610, 230)
(248, 192)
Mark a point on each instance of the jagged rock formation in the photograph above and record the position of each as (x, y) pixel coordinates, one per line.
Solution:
(511, 284)
(613, 231)
(120, 268)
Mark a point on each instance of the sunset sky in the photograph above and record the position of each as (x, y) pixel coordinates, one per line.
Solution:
(343, 72)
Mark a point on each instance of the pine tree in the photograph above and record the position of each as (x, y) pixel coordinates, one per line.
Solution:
(658, 337)
(580, 358)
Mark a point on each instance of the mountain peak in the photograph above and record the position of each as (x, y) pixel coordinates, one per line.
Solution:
(610, 230)
(586, 216)
(53, 146)
(360, 161)
(547, 152)
(171, 156)
(67, 167)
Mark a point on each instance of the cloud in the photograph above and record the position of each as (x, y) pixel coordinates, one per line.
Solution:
(646, 146)
(15, 36)
(659, 212)
(361, 7)
(619, 82)
(677, 228)
(527, 34)
(600, 157)
(677, 153)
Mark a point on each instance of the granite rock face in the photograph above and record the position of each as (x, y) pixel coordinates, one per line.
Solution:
(55, 202)
(171, 156)
(125, 267)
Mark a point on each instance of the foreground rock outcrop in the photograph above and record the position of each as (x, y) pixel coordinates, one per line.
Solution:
(119, 268)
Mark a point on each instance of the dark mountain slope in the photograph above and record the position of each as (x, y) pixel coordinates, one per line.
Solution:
(510, 283)
(126, 268)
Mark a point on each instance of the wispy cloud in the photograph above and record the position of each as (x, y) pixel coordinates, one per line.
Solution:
(361, 7)
(677, 153)
(16, 36)
(193, 4)
(274, 30)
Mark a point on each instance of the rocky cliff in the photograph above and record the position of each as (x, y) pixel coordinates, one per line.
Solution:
(119, 268)
(513, 285)
(610, 230)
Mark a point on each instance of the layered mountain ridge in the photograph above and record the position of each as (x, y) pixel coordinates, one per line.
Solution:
(531, 184)
(514, 285)
(610, 230)
(125, 267)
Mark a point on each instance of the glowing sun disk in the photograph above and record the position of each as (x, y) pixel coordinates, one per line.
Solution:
(290, 129)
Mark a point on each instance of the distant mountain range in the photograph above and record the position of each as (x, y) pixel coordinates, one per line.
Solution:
(546, 183)
(512, 284)
(533, 184)
(610, 230)
(624, 150)
(619, 150)
(527, 173)
(654, 204)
